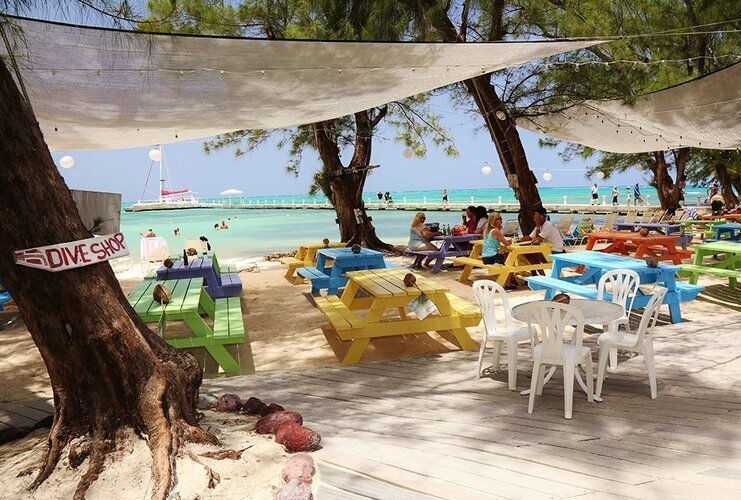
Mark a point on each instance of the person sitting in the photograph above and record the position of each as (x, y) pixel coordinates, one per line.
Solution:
(481, 219)
(205, 240)
(717, 203)
(419, 237)
(494, 241)
(469, 219)
(546, 231)
(149, 234)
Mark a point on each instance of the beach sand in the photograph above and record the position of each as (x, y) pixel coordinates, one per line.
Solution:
(287, 333)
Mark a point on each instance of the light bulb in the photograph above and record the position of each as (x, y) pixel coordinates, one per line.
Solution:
(600, 175)
(486, 169)
(547, 176)
(501, 115)
(408, 153)
(66, 162)
(155, 155)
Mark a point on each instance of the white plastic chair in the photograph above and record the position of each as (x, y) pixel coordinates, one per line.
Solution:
(200, 246)
(510, 228)
(622, 285)
(153, 250)
(640, 342)
(547, 322)
(486, 292)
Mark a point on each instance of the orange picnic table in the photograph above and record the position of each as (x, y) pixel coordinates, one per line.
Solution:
(656, 246)
(731, 217)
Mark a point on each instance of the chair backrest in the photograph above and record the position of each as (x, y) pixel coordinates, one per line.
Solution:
(584, 226)
(658, 215)
(650, 315)
(511, 227)
(548, 320)
(631, 216)
(199, 245)
(622, 285)
(610, 220)
(646, 217)
(564, 224)
(679, 214)
(149, 245)
(486, 292)
(159, 254)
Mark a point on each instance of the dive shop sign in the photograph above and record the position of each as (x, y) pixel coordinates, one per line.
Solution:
(63, 256)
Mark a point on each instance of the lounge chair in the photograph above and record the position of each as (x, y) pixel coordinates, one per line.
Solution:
(610, 220)
(583, 228)
(564, 224)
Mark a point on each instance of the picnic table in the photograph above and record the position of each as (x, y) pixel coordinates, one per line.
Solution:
(595, 264)
(221, 280)
(451, 246)
(728, 267)
(656, 246)
(700, 227)
(189, 300)
(305, 256)
(665, 228)
(379, 290)
(520, 257)
(343, 260)
(729, 231)
(723, 217)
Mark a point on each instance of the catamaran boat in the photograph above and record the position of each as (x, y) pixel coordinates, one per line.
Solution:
(169, 199)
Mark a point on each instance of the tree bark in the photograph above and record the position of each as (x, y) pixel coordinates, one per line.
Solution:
(726, 186)
(668, 190)
(503, 132)
(108, 371)
(346, 184)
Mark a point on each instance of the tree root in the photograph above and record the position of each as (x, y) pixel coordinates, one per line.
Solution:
(213, 477)
(101, 446)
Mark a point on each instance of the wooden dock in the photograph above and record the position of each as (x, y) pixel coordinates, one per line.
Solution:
(421, 428)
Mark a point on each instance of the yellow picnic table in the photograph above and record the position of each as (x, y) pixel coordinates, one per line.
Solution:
(520, 257)
(384, 289)
(305, 257)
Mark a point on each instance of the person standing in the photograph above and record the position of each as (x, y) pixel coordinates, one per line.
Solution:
(627, 195)
(595, 194)
(445, 197)
(380, 196)
(637, 195)
(615, 196)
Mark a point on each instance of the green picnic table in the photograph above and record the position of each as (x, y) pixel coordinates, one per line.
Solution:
(189, 300)
(729, 267)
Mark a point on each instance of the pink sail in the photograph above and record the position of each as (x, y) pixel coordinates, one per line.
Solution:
(165, 192)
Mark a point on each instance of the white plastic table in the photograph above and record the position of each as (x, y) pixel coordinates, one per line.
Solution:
(596, 312)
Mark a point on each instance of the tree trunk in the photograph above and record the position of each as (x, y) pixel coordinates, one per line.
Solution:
(503, 132)
(668, 190)
(726, 186)
(346, 184)
(108, 371)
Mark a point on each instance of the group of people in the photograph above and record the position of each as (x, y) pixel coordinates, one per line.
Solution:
(385, 197)
(477, 220)
(630, 195)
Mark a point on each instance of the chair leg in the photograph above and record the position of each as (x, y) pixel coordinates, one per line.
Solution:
(601, 367)
(568, 389)
(648, 357)
(482, 348)
(496, 355)
(541, 380)
(589, 376)
(512, 364)
(613, 358)
(534, 381)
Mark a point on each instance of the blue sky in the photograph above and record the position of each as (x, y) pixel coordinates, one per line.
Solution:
(263, 172)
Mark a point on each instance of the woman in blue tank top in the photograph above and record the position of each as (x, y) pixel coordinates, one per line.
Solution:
(493, 241)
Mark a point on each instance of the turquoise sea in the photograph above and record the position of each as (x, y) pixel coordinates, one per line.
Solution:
(255, 232)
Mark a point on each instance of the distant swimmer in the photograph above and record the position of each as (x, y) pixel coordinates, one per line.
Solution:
(149, 234)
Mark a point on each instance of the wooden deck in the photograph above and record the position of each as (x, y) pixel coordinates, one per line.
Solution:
(425, 428)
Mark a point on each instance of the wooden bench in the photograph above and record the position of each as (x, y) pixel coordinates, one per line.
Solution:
(500, 270)
(293, 264)
(694, 271)
(228, 327)
(318, 279)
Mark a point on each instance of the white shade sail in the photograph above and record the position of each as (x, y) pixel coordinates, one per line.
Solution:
(701, 113)
(231, 192)
(95, 88)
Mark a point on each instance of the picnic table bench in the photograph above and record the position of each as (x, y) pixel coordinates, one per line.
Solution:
(451, 246)
(656, 246)
(305, 256)
(665, 228)
(343, 260)
(517, 261)
(728, 231)
(189, 300)
(595, 264)
(379, 290)
(729, 267)
(221, 280)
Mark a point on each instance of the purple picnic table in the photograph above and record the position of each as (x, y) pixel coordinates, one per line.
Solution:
(451, 246)
(665, 228)
(219, 284)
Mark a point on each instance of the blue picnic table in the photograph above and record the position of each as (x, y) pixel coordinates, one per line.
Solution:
(665, 228)
(220, 281)
(344, 260)
(730, 231)
(4, 294)
(595, 264)
(450, 246)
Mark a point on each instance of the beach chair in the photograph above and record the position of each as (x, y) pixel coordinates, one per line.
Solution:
(152, 251)
(511, 228)
(583, 228)
(646, 217)
(658, 216)
(200, 246)
(610, 221)
(631, 216)
(564, 224)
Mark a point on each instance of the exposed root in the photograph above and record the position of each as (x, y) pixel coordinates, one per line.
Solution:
(197, 435)
(78, 452)
(58, 439)
(213, 477)
(222, 454)
(101, 447)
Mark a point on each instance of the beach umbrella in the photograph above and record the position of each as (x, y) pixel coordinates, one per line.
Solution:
(230, 193)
